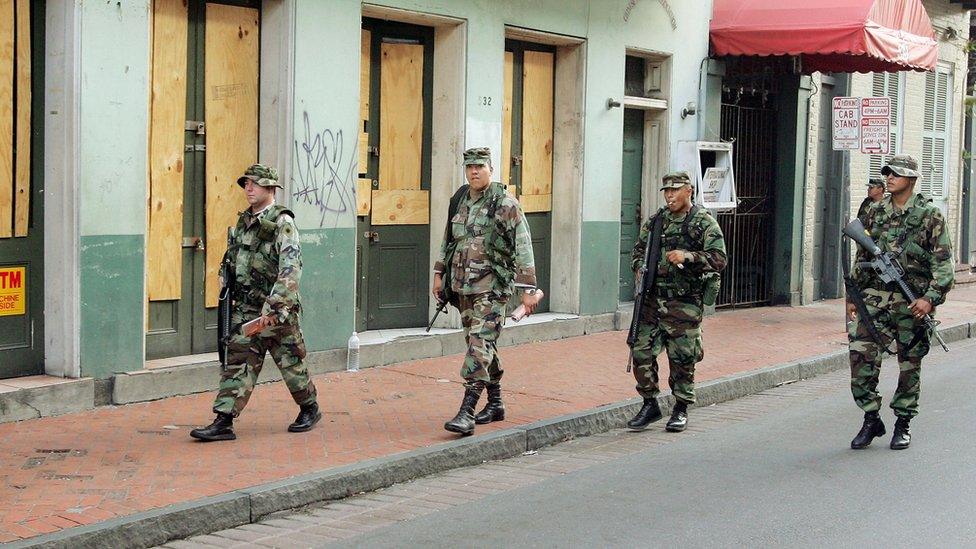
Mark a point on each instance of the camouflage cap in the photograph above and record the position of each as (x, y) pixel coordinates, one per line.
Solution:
(265, 176)
(876, 182)
(477, 155)
(902, 165)
(675, 180)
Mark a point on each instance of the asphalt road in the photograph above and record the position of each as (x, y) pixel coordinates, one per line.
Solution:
(785, 477)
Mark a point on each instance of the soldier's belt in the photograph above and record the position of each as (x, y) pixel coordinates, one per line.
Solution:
(671, 293)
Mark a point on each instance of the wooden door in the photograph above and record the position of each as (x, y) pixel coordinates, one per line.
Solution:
(21, 188)
(527, 141)
(203, 136)
(393, 244)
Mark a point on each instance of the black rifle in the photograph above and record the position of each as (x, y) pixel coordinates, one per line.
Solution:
(447, 296)
(647, 272)
(225, 302)
(854, 295)
(889, 270)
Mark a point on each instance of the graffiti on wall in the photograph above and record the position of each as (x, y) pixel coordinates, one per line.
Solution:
(325, 174)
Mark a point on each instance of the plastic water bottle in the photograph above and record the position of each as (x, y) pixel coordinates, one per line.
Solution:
(352, 357)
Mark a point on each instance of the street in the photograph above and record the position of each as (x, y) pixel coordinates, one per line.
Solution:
(772, 469)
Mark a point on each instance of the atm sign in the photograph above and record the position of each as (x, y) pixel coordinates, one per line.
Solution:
(13, 297)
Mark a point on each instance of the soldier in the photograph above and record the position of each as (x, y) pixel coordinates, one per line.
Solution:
(909, 225)
(876, 191)
(266, 258)
(487, 251)
(692, 255)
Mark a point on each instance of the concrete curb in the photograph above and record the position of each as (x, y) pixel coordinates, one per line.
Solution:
(248, 505)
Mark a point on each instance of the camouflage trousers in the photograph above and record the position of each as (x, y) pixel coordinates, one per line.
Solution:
(672, 325)
(482, 316)
(245, 357)
(894, 323)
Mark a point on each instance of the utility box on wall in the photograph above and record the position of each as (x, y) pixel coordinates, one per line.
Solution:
(709, 163)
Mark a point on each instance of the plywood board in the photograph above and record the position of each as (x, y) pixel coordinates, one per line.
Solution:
(536, 202)
(505, 160)
(364, 81)
(6, 118)
(512, 190)
(231, 73)
(401, 116)
(166, 137)
(364, 196)
(537, 109)
(22, 179)
(400, 207)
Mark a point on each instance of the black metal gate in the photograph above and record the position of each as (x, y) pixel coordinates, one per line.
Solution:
(750, 123)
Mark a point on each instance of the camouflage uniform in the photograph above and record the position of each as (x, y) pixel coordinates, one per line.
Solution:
(267, 260)
(490, 255)
(919, 236)
(673, 311)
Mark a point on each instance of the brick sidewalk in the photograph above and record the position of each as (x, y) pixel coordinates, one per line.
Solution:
(88, 467)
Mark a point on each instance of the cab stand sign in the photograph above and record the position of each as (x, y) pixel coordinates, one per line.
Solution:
(13, 296)
(862, 124)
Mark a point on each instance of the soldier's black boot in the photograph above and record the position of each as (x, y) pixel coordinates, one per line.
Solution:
(463, 422)
(679, 418)
(649, 413)
(873, 427)
(902, 436)
(222, 428)
(494, 409)
(308, 416)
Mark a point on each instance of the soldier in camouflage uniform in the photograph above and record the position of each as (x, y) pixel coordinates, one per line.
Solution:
(267, 263)
(487, 253)
(909, 225)
(692, 255)
(876, 191)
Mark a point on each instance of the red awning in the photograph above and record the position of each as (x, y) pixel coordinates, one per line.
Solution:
(828, 35)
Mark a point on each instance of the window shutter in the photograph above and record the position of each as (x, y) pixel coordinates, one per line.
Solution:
(890, 85)
(935, 133)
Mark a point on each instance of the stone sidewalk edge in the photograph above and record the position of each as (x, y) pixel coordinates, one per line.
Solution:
(248, 505)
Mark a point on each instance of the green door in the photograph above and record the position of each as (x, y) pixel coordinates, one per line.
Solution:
(393, 254)
(22, 255)
(630, 196)
(187, 326)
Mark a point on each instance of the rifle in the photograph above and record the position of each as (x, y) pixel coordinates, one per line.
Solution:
(854, 294)
(889, 270)
(225, 303)
(441, 305)
(647, 272)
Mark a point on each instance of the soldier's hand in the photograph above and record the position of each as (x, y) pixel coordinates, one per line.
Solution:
(920, 307)
(530, 301)
(438, 287)
(851, 311)
(677, 257)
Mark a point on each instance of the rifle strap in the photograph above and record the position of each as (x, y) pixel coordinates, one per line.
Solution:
(686, 228)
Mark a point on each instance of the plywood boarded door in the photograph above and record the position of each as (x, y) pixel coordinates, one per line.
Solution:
(394, 221)
(21, 188)
(527, 141)
(204, 134)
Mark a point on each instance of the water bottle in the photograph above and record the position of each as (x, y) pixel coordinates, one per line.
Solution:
(352, 356)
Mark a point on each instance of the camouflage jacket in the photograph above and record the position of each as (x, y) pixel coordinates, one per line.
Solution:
(480, 264)
(706, 246)
(919, 238)
(267, 260)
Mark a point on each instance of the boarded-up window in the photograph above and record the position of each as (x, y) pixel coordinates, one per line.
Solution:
(892, 86)
(935, 133)
(15, 109)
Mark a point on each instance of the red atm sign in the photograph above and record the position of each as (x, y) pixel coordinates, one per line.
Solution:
(13, 295)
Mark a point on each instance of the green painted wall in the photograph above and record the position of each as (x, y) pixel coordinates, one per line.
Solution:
(111, 304)
(113, 145)
(599, 265)
(791, 111)
(327, 299)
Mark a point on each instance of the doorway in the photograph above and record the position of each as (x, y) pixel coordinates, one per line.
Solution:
(21, 189)
(827, 201)
(203, 135)
(630, 197)
(392, 245)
